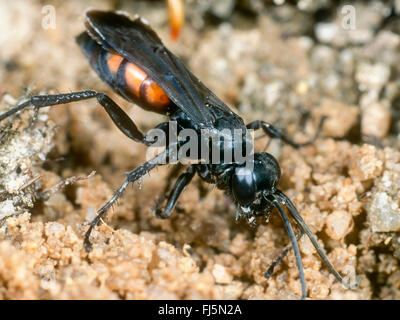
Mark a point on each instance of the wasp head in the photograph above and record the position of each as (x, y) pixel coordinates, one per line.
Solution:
(252, 182)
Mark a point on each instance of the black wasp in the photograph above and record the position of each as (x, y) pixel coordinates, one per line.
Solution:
(131, 59)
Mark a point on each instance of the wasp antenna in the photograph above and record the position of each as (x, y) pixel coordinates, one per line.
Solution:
(303, 226)
(295, 246)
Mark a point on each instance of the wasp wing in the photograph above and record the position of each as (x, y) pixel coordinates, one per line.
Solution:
(138, 43)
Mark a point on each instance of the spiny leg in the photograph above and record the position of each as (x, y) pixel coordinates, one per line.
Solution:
(160, 159)
(283, 254)
(174, 173)
(370, 139)
(119, 117)
(171, 177)
(180, 184)
(273, 132)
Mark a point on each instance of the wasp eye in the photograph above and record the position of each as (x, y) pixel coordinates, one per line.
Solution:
(243, 186)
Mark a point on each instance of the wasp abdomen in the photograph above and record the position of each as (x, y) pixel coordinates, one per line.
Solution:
(137, 84)
(125, 77)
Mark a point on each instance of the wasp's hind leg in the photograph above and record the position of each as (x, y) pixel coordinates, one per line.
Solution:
(119, 117)
(273, 132)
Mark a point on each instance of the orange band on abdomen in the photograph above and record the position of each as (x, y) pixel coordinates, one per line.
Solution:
(139, 84)
(154, 95)
(113, 62)
(134, 76)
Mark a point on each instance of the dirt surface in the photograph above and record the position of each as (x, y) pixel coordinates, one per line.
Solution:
(287, 64)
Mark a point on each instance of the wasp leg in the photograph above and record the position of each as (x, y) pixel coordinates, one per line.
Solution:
(172, 174)
(34, 118)
(273, 132)
(119, 117)
(370, 139)
(180, 184)
(160, 159)
(278, 260)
